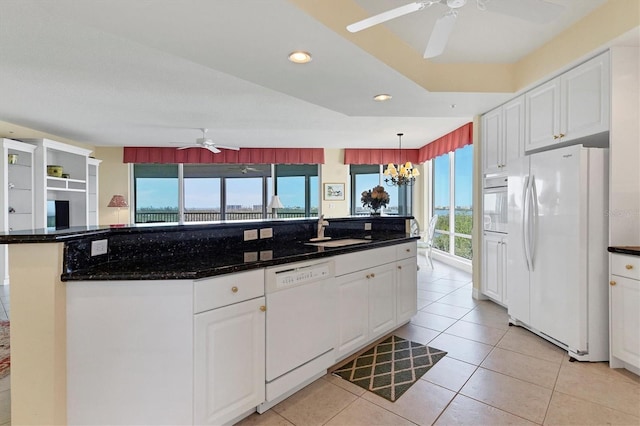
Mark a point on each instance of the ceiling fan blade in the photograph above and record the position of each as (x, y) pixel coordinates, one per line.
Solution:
(212, 149)
(538, 11)
(440, 35)
(187, 147)
(387, 16)
(234, 148)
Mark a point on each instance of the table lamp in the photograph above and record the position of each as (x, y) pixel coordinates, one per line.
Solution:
(274, 205)
(118, 201)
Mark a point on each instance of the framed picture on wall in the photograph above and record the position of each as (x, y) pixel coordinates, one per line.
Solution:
(334, 191)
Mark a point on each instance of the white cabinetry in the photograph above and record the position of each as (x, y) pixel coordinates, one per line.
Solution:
(92, 189)
(75, 188)
(571, 106)
(624, 311)
(503, 136)
(377, 291)
(494, 271)
(17, 193)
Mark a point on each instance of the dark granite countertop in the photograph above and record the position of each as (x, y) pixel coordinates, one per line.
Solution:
(632, 250)
(226, 261)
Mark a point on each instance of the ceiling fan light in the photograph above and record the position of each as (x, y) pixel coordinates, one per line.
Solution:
(300, 57)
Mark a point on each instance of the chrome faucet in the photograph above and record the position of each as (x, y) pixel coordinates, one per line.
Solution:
(321, 225)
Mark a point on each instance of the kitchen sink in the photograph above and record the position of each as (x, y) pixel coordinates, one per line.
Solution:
(339, 243)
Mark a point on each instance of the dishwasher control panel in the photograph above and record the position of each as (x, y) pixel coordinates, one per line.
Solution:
(298, 276)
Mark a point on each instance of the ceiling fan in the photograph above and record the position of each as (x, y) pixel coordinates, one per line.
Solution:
(244, 169)
(207, 143)
(531, 10)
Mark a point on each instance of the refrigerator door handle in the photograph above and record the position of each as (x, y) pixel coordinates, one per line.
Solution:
(533, 222)
(525, 221)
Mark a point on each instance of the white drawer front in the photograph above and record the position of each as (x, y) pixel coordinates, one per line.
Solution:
(211, 293)
(351, 262)
(404, 251)
(625, 265)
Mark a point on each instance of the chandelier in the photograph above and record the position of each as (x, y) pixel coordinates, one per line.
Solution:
(402, 174)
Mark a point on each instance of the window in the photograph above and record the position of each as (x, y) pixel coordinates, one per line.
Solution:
(365, 177)
(297, 188)
(452, 185)
(221, 191)
(156, 190)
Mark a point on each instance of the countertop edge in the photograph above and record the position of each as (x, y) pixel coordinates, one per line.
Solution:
(630, 250)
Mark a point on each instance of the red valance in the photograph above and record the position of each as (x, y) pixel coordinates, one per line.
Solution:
(244, 156)
(380, 156)
(460, 137)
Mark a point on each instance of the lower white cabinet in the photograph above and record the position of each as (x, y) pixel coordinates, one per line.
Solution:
(380, 295)
(624, 299)
(494, 267)
(406, 289)
(229, 363)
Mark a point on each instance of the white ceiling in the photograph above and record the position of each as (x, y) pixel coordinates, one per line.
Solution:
(151, 72)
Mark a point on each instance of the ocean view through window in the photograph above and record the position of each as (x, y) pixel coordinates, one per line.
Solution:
(452, 186)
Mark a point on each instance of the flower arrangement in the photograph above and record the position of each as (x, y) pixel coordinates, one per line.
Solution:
(375, 198)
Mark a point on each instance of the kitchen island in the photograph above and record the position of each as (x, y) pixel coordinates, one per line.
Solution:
(44, 263)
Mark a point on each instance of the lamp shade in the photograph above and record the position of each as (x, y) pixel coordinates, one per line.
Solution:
(118, 201)
(275, 203)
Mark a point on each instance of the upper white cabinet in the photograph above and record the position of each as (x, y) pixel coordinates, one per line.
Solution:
(569, 107)
(503, 136)
(75, 187)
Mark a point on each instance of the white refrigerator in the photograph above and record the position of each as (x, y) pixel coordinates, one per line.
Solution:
(557, 254)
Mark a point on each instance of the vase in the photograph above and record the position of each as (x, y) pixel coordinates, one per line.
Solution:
(375, 212)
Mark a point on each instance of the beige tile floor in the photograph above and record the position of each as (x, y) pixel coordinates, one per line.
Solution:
(493, 374)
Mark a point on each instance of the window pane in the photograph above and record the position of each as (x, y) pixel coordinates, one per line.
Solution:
(314, 196)
(441, 191)
(463, 170)
(364, 182)
(156, 193)
(441, 241)
(463, 247)
(201, 199)
(244, 198)
(291, 191)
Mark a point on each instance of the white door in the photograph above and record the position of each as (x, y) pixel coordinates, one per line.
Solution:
(407, 289)
(492, 140)
(517, 270)
(585, 99)
(353, 312)
(558, 281)
(492, 271)
(625, 320)
(513, 136)
(382, 299)
(229, 354)
(543, 115)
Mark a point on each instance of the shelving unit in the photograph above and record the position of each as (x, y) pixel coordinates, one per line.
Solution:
(92, 189)
(17, 183)
(75, 189)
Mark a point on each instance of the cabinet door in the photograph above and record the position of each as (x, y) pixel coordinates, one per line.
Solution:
(585, 99)
(542, 124)
(503, 271)
(407, 289)
(229, 354)
(492, 140)
(492, 271)
(625, 320)
(353, 312)
(382, 299)
(513, 135)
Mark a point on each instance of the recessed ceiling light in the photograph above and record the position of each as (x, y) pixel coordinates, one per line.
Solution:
(300, 57)
(382, 97)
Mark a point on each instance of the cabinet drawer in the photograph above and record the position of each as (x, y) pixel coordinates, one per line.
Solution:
(404, 251)
(365, 259)
(625, 266)
(211, 293)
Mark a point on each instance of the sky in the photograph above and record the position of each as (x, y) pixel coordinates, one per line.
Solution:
(204, 193)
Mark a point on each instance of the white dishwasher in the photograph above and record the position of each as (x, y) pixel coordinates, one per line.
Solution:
(301, 326)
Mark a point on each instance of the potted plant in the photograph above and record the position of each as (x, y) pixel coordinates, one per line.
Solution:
(374, 199)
